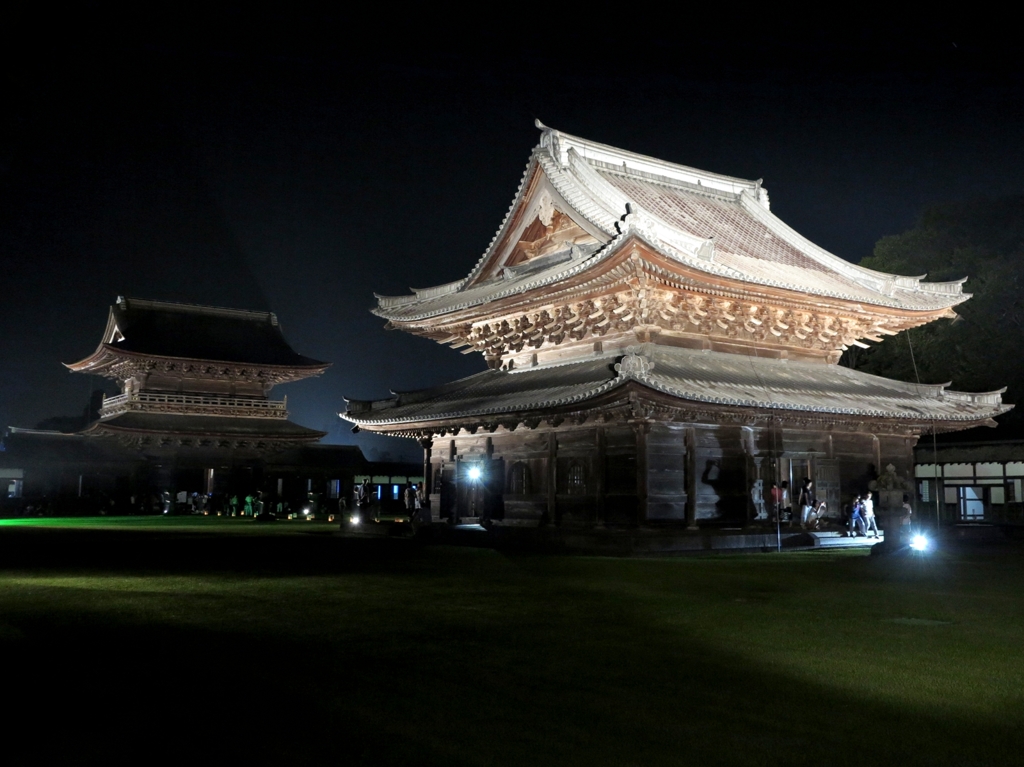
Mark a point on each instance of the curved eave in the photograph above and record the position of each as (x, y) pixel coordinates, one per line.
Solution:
(583, 396)
(988, 409)
(107, 355)
(564, 272)
(301, 433)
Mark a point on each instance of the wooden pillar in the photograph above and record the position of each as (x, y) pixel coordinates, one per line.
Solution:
(642, 429)
(428, 480)
(552, 477)
(600, 480)
(691, 478)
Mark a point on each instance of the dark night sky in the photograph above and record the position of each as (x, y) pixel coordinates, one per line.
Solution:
(300, 164)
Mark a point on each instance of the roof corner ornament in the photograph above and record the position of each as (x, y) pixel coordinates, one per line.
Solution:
(628, 221)
(634, 364)
(706, 250)
(549, 140)
(636, 222)
(761, 195)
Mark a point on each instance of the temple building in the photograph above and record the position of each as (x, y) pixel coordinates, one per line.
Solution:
(660, 347)
(195, 389)
(194, 416)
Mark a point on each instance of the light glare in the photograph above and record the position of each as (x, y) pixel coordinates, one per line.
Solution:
(919, 543)
(474, 473)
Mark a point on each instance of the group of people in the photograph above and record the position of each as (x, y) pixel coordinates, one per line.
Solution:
(413, 497)
(810, 510)
(862, 517)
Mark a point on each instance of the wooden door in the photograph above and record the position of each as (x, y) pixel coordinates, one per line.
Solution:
(826, 482)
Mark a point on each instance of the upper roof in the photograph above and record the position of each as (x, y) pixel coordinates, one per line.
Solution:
(694, 376)
(711, 223)
(184, 331)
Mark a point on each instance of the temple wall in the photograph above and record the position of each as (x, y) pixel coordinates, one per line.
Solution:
(621, 474)
(667, 494)
(725, 469)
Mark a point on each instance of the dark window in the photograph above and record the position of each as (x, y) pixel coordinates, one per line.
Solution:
(577, 481)
(519, 479)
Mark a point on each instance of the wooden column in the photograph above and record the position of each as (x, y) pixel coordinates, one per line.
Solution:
(691, 479)
(552, 477)
(600, 480)
(428, 480)
(642, 429)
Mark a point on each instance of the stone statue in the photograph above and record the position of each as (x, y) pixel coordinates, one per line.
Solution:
(757, 496)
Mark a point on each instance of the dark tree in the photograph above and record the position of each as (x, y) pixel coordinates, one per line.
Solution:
(983, 349)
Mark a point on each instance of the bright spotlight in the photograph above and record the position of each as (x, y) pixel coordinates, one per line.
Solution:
(354, 519)
(474, 473)
(919, 543)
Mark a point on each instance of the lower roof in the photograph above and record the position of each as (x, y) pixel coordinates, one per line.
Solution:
(694, 376)
(199, 426)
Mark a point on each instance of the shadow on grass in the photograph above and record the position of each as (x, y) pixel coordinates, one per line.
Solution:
(474, 659)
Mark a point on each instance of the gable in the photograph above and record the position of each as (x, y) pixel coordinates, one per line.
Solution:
(541, 225)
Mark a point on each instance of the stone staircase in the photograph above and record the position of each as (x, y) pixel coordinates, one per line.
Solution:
(831, 539)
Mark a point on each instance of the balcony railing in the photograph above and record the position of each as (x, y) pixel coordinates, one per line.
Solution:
(193, 404)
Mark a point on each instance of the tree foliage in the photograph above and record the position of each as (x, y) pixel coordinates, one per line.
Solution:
(983, 349)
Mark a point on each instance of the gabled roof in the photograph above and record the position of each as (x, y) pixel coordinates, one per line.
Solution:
(691, 376)
(139, 327)
(716, 224)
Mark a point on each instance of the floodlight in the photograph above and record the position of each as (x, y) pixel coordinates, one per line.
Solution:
(919, 543)
(354, 519)
(474, 473)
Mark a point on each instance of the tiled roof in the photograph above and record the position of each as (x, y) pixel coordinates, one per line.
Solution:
(692, 376)
(203, 426)
(713, 223)
(186, 331)
(34, 447)
(732, 228)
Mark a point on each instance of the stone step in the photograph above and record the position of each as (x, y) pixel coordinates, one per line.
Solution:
(834, 540)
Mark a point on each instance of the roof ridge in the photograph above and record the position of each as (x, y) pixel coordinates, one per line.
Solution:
(560, 143)
(125, 303)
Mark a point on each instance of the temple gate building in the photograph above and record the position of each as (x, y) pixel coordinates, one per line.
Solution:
(660, 347)
(195, 384)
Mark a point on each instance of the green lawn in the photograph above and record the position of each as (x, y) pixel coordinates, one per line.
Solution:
(206, 638)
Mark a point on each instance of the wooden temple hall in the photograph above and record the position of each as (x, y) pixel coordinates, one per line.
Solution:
(660, 348)
(194, 408)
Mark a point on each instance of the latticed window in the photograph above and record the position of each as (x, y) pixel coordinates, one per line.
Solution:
(519, 479)
(576, 479)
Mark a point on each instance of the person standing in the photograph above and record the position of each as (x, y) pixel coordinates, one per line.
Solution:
(806, 501)
(870, 523)
(787, 502)
(363, 498)
(776, 498)
(856, 522)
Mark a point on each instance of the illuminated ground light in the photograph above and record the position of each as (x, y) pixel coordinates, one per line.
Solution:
(919, 543)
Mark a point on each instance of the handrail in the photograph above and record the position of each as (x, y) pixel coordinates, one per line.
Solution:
(166, 402)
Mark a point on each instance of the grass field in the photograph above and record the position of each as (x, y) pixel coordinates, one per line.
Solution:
(206, 639)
